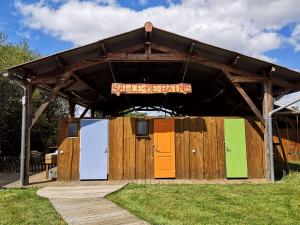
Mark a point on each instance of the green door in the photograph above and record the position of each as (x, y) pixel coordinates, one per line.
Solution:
(235, 148)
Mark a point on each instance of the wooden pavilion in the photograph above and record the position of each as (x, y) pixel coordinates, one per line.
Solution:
(224, 84)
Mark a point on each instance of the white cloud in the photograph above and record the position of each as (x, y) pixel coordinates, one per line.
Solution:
(248, 26)
(295, 38)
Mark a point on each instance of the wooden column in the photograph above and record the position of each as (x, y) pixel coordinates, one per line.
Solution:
(267, 107)
(28, 103)
(71, 109)
(92, 113)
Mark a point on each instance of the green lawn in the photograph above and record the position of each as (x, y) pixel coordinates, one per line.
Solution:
(23, 206)
(214, 204)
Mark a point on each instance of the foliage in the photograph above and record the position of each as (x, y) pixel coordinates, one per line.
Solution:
(23, 206)
(44, 132)
(136, 114)
(277, 203)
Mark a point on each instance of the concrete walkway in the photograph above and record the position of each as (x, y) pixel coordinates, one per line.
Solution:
(87, 205)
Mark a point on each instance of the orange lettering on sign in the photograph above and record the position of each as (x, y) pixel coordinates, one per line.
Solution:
(119, 88)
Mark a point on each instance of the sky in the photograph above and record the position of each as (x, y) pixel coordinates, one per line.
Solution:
(265, 29)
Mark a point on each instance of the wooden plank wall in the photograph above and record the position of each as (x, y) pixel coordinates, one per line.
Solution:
(199, 149)
(290, 140)
(131, 157)
(68, 160)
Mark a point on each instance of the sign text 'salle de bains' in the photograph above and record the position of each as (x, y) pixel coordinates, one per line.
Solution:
(120, 88)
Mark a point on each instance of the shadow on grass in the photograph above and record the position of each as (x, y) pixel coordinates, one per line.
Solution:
(281, 171)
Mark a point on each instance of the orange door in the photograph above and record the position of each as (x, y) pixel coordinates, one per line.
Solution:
(164, 148)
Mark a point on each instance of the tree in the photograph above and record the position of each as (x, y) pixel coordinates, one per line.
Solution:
(45, 131)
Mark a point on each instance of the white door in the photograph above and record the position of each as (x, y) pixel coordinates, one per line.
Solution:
(93, 149)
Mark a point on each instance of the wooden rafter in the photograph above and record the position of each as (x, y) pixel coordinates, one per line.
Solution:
(131, 49)
(246, 97)
(90, 86)
(69, 85)
(221, 74)
(79, 79)
(163, 48)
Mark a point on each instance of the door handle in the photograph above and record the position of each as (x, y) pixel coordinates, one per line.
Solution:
(227, 149)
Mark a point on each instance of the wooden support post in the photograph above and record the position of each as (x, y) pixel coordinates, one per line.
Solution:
(246, 98)
(28, 103)
(267, 107)
(92, 113)
(71, 108)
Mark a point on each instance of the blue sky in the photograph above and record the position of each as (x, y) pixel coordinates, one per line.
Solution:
(11, 23)
(272, 40)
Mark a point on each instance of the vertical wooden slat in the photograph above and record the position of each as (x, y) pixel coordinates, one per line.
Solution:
(185, 145)
(194, 147)
(255, 148)
(149, 152)
(68, 157)
(116, 148)
(200, 152)
(75, 154)
(221, 150)
(140, 146)
(178, 150)
(129, 148)
(214, 144)
(206, 151)
(210, 150)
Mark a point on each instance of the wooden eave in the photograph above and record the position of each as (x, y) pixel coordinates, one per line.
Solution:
(156, 56)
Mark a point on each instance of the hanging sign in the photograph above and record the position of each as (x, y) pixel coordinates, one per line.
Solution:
(119, 88)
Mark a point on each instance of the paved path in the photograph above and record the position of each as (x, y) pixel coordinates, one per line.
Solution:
(87, 205)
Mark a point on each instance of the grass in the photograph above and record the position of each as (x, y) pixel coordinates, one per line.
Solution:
(23, 206)
(277, 203)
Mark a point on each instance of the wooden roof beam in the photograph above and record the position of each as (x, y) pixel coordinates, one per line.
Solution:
(131, 49)
(221, 74)
(148, 33)
(172, 57)
(246, 79)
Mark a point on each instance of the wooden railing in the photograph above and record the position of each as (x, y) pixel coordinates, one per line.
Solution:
(12, 164)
